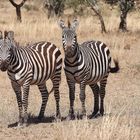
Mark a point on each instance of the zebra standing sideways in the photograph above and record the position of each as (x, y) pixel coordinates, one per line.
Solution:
(86, 64)
(31, 65)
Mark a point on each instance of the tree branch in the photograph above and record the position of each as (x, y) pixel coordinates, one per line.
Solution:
(18, 8)
(17, 5)
(95, 8)
(13, 3)
(22, 3)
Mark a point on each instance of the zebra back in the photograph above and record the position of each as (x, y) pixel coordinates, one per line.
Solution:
(39, 61)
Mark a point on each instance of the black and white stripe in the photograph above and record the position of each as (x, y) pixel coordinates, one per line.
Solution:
(31, 65)
(86, 64)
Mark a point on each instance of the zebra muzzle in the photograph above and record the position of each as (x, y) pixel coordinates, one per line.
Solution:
(4, 66)
(68, 50)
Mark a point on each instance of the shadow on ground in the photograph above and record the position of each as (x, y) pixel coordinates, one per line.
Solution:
(51, 119)
(34, 120)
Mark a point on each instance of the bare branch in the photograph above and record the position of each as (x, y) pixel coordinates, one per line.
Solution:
(13, 3)
(18, 8)
(22, 3)
(95, 8)
(17, 5)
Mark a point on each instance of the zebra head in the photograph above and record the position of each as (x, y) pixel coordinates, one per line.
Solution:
(69, 37)
(6, 45)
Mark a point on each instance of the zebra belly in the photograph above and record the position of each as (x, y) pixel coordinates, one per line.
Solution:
(21, 81)
(96, 80)
(95, 77)
(40, 78)
(17, 77)
(38, 81)
(89, 80)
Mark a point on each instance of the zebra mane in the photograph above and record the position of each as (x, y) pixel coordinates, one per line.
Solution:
(69, 24)
(5, 34)
(1, 36)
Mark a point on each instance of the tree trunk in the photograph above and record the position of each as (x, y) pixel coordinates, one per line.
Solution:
(111, 2)
(55, 7)
(18, 12)
(18, 9)
(95, 8)
(123, 22)
(125, 6)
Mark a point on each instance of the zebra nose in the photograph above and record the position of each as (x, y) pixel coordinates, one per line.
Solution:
(3, 65)
(2, 62)
(67, 48)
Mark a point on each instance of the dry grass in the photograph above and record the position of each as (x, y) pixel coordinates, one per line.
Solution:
(122, 102)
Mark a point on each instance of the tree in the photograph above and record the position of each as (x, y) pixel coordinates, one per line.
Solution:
(18, 9)
(125, 6)
(95, 8)
(111, 1)
(54, 7)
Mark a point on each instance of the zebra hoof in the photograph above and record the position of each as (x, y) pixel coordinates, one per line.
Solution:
(19, 125)
(40, 117)
(25, 125)
(71, 117)
(83, 116)
(101, 114)
(93, 115)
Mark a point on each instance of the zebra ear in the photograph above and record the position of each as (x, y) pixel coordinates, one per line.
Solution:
(74, 24)
(1, 36)
(10, 35)
(61, 24)
(5, 34)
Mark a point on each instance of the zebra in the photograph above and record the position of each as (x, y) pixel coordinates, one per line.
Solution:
(30, 65)
(88, 63)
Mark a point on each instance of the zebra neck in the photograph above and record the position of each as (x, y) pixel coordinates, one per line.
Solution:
(16, 60)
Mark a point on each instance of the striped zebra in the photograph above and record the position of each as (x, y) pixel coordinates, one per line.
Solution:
(86, 64)
(31, 65)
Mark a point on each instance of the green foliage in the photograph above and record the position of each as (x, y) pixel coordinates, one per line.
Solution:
(74, 2)
(76, 5)
(31, 7)
(126, 5)
(111, 1)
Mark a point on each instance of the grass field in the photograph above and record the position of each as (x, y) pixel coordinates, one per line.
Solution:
(122, 101)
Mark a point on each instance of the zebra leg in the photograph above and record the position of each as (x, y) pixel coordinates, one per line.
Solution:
(82, 97)
(17, 89)
(71, 98)
(102, 94)
(56, 81)
(95, 89)
(26, 87)
(45, 95)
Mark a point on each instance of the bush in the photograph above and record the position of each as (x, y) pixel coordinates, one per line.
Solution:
(30, 7)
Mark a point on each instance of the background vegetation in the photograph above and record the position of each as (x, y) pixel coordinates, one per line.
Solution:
(122, 101)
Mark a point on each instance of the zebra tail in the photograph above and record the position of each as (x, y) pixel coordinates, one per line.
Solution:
(116, 68)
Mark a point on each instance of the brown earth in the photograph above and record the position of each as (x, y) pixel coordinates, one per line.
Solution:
(122, 102)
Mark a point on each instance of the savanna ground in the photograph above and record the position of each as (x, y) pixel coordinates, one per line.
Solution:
(122, 102)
